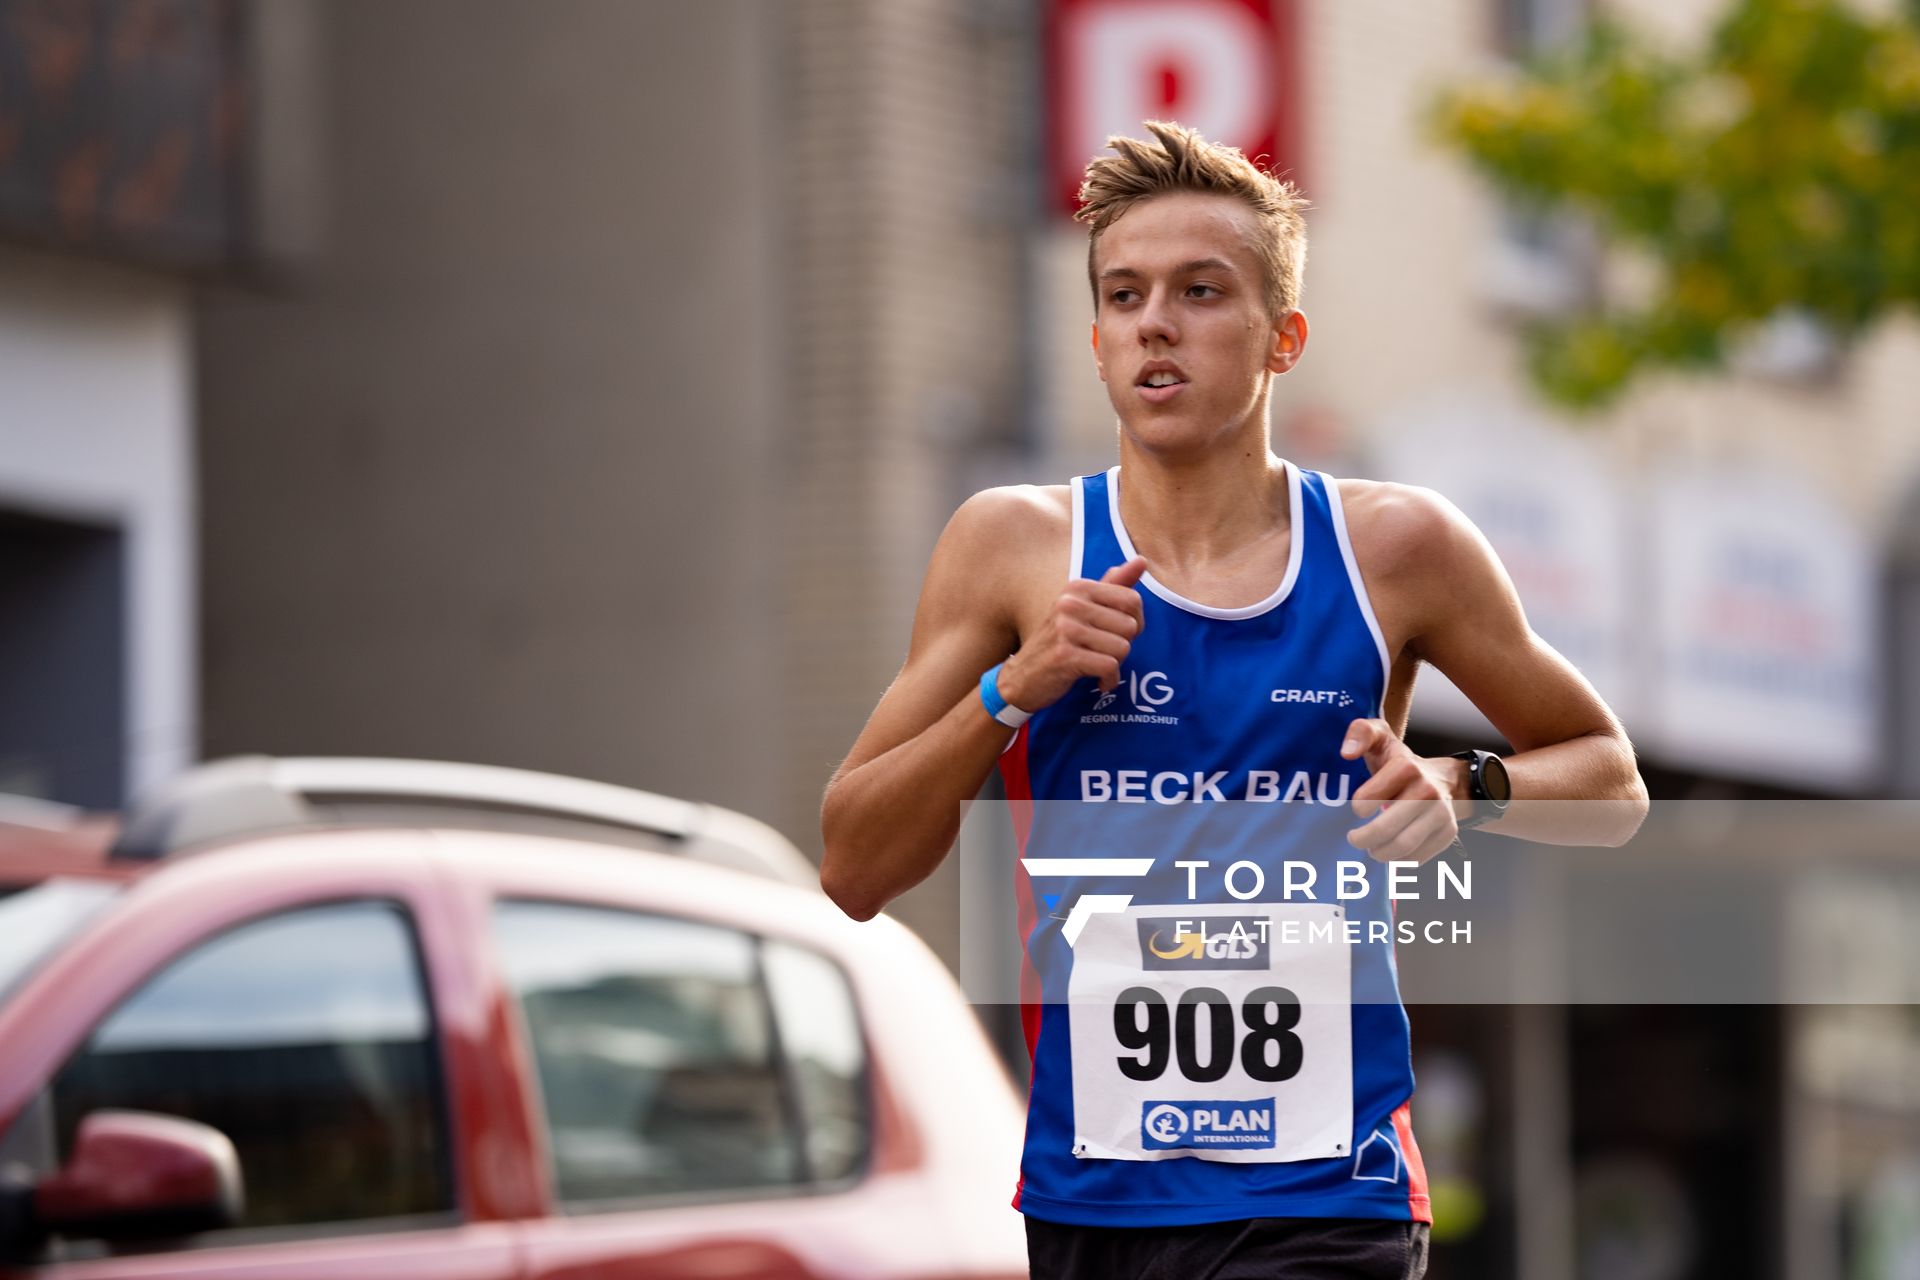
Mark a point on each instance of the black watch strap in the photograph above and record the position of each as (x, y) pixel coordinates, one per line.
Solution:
(1487, 787)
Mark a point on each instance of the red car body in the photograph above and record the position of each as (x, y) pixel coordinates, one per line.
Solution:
(944, 1119)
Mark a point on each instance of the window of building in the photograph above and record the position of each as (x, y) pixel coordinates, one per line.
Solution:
(1540, 263)
(1526, 27)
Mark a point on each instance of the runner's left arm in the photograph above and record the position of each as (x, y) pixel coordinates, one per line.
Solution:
(1572, 766)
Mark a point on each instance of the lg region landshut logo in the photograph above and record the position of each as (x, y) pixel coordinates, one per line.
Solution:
(1146, 693)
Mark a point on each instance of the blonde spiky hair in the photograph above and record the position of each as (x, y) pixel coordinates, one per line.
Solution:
(1182, 160)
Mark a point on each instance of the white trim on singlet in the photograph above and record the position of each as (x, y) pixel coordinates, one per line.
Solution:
(1353, 577)
(1178, 601)
(1074, 566)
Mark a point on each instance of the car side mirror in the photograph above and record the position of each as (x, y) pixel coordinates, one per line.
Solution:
(138, 1175)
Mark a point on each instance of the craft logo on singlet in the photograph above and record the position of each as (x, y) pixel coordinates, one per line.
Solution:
(1218, 942)
(1177, 1123)
(1145, 692)
(1320, 697)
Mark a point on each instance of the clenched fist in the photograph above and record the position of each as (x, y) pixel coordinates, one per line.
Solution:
(1410, 802)
(1088, 632)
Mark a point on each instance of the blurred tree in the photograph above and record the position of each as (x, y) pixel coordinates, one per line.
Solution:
(1775, 173)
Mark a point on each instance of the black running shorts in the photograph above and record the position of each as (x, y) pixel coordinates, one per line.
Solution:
(1252, 1249)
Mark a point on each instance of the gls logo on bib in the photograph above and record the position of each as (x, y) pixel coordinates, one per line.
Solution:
(1222, 942)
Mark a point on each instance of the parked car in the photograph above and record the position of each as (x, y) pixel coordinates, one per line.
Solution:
(338, 1018)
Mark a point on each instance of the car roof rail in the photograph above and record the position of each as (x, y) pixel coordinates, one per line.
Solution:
(256, 795)
(42, 815)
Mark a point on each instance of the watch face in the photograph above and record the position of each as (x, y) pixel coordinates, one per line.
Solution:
(1493, 777)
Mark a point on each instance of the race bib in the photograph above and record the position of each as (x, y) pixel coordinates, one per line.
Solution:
(1216, 1031)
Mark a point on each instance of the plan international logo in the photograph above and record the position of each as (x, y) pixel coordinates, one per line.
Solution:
(1181, 1123)
(1145, 693)
(1221, 942)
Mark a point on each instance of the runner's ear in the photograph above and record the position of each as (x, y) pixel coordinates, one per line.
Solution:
(1289, 341)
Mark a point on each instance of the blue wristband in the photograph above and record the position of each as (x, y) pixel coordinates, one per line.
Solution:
(998, 707)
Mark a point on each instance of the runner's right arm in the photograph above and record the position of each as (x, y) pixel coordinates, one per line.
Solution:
(892, 810)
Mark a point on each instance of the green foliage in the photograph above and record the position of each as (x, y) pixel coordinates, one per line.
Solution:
(1777, 169)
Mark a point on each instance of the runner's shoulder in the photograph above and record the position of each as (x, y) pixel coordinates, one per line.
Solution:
(1401, 528)
(1010, 523)
(993, 559)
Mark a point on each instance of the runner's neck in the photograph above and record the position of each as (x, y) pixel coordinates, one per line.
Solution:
(1192, 517)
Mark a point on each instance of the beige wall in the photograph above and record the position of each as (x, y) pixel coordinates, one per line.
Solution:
(605, 416)
(483, 479)
(902, 341)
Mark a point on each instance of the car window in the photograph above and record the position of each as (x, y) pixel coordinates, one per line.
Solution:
(307, 1039)
(826, 1056)
(655, 1047)
(36, 918)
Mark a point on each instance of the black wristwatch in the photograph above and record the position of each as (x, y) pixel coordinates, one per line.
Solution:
(1487, 786)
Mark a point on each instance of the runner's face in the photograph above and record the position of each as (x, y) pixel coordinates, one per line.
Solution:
(1181, 292)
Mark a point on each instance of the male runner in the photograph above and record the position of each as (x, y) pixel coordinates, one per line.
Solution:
(1208, 616)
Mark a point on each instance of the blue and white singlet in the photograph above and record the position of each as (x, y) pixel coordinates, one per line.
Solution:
(1200, 1056)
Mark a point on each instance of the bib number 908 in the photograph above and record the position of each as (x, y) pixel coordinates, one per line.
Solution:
(1270, 1014)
